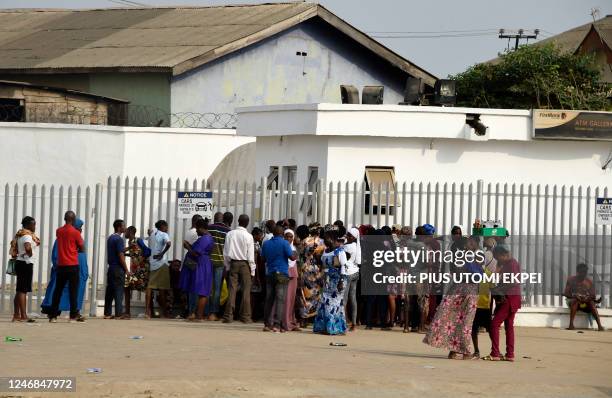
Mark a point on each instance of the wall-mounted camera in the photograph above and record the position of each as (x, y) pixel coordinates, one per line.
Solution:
(473, 120)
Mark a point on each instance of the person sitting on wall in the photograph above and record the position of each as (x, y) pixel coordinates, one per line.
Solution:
(580, 294)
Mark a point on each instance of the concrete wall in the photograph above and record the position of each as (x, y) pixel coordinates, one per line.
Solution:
(270, 73)
(300, 151)
(429, 144)
(448, 160)
(81, 154)
(179, 152)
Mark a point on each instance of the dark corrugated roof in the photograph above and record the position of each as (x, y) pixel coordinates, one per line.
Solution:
(174, 39)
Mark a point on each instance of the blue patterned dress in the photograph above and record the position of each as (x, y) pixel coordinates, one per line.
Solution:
(330, 312)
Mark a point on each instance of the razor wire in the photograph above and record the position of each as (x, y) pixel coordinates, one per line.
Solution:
(114, 115)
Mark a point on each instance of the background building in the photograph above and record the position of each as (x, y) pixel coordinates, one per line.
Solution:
(25, 102)
(594, 37)
(199, 59)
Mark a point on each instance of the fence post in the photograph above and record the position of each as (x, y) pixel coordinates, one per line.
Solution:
(479, 194)
(5, 242)
(262, 200)
(93, 294)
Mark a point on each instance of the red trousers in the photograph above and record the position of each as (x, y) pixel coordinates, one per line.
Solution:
(504, 313)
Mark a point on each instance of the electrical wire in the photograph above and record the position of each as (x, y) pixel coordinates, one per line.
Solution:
(434, 36)
(435, 31)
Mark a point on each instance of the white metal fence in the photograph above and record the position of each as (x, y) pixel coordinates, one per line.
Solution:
(525, 209)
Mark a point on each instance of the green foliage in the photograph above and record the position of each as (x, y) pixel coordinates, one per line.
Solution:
(533, 76)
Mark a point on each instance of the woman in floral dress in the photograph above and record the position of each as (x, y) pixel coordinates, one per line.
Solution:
(451, 327)
(330, 312)
(312, 278)
(138, 276)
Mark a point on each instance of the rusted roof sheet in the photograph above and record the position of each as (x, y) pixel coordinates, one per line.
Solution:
(175, 39)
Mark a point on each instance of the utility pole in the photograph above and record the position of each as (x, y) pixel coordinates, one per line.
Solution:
(518, 36)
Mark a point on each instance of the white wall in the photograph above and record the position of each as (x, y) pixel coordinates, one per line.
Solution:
(177, 153)
(430, 144)
(447, 160)
(382, 121)
(86, 155)
(300, 151)
(59, 153)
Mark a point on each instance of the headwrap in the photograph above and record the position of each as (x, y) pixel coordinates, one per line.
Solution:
(429, 229)
(354, 232)
(13, 251)
(364, 229)
(330, 227)
(314, 228)
(78, 223)
(289, 231)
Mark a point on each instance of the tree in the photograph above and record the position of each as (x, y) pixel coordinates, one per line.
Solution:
(535, 76)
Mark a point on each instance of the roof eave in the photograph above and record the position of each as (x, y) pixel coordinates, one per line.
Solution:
(316, 11)
(245, 41)
(85, 69)
(376, 47)
(601, 38)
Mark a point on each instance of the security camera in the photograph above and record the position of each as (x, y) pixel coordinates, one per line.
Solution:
(473, 120)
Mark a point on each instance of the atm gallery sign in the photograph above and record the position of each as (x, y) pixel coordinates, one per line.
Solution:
(572, 125)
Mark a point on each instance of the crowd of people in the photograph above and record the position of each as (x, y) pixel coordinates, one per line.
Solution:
(287, 276)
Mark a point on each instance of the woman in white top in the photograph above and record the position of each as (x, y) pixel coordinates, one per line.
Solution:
(24, 249)
(351, 270)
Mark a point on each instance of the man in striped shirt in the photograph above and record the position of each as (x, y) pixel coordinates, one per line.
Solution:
(218, 230)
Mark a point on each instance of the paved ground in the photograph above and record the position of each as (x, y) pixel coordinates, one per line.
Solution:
(177, 359)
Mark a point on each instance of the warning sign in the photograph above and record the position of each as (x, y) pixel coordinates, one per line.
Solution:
(192, 203)
(603, 211)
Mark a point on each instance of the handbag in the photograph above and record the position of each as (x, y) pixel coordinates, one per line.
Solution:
(11, 268)
(190, 263)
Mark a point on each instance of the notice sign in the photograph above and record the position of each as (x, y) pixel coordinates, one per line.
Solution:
(603, 211)
(192, 203)
(572, 125)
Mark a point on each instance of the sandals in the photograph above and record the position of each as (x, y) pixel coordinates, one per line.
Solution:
(490, 358)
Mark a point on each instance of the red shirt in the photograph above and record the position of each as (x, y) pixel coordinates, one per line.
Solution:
(513, 290)
(69, 241)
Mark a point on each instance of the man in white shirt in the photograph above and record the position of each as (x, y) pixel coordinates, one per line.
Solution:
(239, 259)
(159, 272)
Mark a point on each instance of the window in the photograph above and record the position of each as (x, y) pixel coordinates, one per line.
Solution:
(379, 178)
(290, 176)
(11, 110)
(272, 180)
(313, 177)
